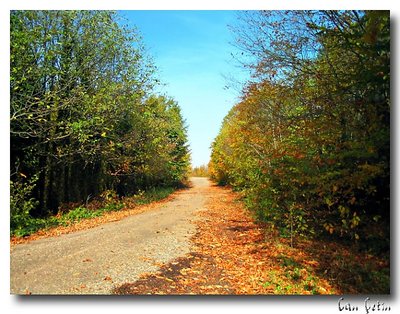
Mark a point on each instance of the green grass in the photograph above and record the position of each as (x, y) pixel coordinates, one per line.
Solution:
(152, 195)
(31, 225)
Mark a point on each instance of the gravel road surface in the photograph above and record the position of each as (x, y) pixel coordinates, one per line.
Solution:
(96, 260)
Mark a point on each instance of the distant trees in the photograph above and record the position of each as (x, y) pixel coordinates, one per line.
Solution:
(309, 142)
(200, 171)
(83, 117)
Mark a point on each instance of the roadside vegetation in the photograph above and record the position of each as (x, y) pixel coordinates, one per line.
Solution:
(84, 118)
(306, 148)
(308, 144)
(73, 213)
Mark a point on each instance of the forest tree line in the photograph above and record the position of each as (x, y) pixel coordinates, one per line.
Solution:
(84, 117)
(308, 144)
(200, 171)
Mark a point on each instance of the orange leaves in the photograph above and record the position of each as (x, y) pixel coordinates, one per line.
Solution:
(230, 256)
(311, 263)
(233, 255)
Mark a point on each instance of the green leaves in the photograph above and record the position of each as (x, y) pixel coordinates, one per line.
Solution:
(82, 109)
(21, 200)
(309, 147)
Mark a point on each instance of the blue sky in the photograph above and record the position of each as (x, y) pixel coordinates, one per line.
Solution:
(192, 50)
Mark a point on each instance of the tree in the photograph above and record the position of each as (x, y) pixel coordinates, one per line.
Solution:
(309, 142)
(83, 119)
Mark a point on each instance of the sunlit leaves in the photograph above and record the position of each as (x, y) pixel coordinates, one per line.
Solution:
(81, 114)
(308, 144)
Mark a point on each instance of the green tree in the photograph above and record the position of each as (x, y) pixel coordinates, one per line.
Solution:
(82, 116)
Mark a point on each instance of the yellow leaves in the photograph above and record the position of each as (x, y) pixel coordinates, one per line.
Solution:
(164, 278)
(184, 271)
(329, 227)
(216, 245)
(355, 220)
(343, 211)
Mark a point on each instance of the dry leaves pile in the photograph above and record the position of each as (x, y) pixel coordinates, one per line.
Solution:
(233, 255)
(230, 255)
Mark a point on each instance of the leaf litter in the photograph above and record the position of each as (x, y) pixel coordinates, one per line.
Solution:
(233, 255)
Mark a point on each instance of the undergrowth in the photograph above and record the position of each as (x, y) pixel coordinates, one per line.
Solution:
(31, 224)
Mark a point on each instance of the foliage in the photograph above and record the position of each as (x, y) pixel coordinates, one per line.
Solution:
(309, 142)
(21, 202)
(110, 202)
(200, 171)
(152, 195)
(83, 116)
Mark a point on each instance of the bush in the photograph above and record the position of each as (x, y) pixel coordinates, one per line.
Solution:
(21, 203)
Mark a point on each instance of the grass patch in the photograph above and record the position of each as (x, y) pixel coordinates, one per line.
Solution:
(292, 281)
(152, 195)
(291, 277)
(30, 225)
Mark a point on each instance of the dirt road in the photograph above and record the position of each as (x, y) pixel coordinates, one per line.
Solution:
(95, 261)
(201, 241)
